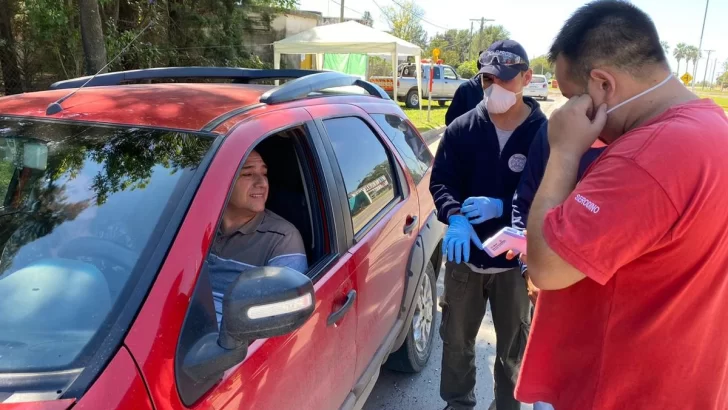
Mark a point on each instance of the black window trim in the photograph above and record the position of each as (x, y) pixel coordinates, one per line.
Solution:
(402, 187)
(396, 148)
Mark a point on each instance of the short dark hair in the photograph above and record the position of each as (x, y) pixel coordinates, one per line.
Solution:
(477, 59)
(612, 32)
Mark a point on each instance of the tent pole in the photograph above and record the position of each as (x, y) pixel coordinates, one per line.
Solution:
(418, 67)
(276, 62)
(394, 76)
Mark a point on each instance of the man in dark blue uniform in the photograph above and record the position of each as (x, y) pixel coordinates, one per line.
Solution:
(477, 168)
(467, 96)
(538, 156)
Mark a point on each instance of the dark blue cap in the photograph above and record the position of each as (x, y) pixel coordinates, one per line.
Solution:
(503, 72)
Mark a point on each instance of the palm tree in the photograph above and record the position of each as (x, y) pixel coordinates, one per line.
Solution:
(692, 54)
(665, 47)
(680, 53)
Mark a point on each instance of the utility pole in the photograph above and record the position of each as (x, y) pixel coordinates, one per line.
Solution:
(700, 45)
(707, 64)
(342, 11)
(482, 21)
(712, 77)
(470, 52)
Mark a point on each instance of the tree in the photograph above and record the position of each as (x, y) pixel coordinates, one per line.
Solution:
(693, 54)
(404, 22)
(368, 19)
(665, 47)
(92, 34)
(489, 35)
(542, 65)
(8, 55)
(468, 69)
(453, 44)
(680, 53)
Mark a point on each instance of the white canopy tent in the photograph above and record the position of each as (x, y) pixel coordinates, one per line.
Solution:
(349, 37)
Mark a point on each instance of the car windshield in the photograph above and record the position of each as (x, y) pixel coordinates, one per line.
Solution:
(538, 80)
(80, 206)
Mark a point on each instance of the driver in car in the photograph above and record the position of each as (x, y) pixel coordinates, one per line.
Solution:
(250, 235)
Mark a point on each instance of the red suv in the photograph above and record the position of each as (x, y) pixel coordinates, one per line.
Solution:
(113, 193)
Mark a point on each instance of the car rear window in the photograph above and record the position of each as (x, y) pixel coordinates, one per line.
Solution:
(538, 80)
(81, 207)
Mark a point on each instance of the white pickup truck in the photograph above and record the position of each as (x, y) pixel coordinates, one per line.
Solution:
(445, 82)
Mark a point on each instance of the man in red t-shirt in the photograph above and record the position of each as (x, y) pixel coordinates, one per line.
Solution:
(633, 260)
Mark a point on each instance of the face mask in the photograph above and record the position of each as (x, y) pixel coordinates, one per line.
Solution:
(643, 93)
(499, 100)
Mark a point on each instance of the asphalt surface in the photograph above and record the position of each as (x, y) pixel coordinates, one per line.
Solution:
(400, 391)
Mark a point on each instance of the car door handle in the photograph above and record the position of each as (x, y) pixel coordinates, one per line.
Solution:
(339, 314)
(411, 224)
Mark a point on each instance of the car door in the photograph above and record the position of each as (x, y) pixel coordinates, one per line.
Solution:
(309, 368)
(437, 83)
(383, 220)
(450, 81)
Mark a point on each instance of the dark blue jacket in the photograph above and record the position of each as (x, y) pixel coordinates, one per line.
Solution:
(469, 163)
(467, 96)
(538, 156)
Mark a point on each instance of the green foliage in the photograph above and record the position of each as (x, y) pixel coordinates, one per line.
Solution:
(541, 65)
(490, 35)
(468, 69)
(454, 46)
(404, 22)
(182, 32)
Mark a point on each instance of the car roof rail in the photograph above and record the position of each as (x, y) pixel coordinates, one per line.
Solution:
(238, 75)
(318, 83)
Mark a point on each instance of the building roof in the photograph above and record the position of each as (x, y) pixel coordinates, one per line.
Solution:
(178, 105)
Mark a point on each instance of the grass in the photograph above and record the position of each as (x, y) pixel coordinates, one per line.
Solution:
(437, 116)
(419, 117)
(720, 97)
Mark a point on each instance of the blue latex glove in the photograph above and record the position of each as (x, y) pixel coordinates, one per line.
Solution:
(479, 209)
(456, 244)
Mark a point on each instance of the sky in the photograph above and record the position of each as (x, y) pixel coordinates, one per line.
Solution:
(534, 23)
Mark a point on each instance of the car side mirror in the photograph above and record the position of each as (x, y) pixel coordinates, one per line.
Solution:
(263, 302)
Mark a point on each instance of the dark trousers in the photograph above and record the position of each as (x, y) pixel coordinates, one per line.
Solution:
(463, 308)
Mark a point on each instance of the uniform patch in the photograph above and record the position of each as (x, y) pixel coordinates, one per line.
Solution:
(517, 162)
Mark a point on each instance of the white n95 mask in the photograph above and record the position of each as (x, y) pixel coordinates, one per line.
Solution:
(499, 100)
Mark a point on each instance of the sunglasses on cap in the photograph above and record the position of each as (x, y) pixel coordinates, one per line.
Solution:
(501, 58)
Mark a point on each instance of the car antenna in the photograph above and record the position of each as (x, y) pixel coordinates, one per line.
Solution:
(55, 107)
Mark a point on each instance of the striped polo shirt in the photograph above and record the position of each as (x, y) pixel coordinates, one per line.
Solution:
(266, 240)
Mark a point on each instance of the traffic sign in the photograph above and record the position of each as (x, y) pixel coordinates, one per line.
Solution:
(686, 78)
(436, 53)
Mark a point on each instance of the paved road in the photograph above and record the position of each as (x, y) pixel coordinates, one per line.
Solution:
(398, 391)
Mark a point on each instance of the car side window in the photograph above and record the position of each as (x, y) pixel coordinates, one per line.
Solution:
(437, 73)
(365, 166)
(450, 74)
(410, 146)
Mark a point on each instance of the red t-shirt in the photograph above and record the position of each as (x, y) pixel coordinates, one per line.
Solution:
(648, 225)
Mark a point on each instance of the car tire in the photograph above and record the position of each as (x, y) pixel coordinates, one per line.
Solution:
(415, 352)
(412, 100)
(442, 103)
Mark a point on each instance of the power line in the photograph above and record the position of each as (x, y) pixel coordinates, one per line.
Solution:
(348, 8)
(418, 17)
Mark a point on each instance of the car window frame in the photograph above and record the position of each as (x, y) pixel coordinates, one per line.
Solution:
(327, 193)
(444, 73)
(404, 164)
(402, 186)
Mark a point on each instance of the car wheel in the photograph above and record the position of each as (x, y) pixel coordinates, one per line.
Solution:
(442, 103)
(412, 357)
(412, 100)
